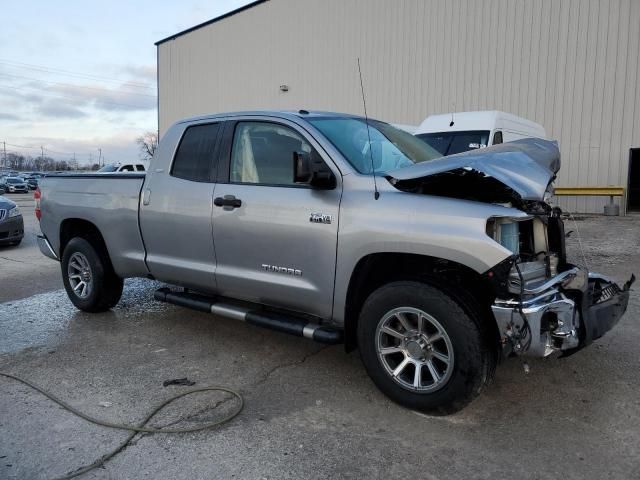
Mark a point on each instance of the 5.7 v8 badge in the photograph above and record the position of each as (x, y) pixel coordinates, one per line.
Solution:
(320, 218)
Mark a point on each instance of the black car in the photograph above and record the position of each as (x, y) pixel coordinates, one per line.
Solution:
(11, 223)
(32, 182)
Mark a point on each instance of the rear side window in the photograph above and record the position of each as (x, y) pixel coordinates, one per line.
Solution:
(497, 138)
(140, 168)
(195, 156)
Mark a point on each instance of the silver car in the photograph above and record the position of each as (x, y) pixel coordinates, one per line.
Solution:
(15, 185)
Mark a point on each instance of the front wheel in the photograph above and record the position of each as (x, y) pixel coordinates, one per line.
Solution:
(421, 348)
(88, 277)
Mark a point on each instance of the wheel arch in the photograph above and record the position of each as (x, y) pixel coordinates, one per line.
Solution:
(79, 227)
(470, 288)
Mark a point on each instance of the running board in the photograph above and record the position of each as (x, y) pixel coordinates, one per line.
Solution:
(274, 321)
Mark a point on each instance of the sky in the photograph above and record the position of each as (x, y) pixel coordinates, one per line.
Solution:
(79, 76)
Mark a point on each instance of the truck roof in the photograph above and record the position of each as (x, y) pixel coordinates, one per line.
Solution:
(479, 120)
(287, 114)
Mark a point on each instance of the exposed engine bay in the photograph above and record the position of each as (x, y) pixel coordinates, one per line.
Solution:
(543, 304)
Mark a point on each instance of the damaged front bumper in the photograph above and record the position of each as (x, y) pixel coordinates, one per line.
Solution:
(562, 314)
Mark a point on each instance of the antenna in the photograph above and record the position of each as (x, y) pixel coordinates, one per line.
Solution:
(376, 195)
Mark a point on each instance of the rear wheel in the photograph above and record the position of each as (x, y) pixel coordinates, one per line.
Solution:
(88, 277)
(421, 348)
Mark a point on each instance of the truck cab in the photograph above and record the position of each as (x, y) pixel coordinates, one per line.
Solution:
(457, 132)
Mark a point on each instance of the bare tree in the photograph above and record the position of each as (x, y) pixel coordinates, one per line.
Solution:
(148, 144)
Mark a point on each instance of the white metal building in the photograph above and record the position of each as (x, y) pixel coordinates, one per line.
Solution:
(571, 65)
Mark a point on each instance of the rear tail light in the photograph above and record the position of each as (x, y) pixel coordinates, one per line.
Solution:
(36, 196)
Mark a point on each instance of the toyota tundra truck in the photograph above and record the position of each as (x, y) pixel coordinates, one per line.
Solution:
(342, 229)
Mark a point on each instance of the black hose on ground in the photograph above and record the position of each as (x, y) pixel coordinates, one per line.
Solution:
(134, 429)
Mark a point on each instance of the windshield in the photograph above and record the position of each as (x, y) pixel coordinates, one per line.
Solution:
(389, 147)
(14, 180)
(449, 143)
(109, 168)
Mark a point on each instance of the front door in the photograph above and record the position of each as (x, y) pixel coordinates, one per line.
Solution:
(275, 241)
(175, 212)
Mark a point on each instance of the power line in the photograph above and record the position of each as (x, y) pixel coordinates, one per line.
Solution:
(47, 150)
(58, 71)
(75, 97)
(74, 85)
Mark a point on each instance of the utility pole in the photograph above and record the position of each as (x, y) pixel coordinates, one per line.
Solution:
(4, 148)
(100, 157)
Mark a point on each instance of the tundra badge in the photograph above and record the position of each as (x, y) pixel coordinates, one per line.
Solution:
(277, 269)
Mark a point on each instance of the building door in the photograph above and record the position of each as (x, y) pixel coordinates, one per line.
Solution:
(633, 188)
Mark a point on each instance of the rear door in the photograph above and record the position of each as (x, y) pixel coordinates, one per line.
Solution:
(175, 215)
(275, 240)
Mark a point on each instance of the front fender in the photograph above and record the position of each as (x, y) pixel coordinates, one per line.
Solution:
(407, 223)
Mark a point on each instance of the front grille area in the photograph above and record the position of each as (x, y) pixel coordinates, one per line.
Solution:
(606, 293)
(3, 213)
(11, 234)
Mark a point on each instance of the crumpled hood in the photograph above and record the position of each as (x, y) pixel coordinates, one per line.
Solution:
(525, 166)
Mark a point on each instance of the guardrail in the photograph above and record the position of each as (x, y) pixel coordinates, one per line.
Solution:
(610, 191)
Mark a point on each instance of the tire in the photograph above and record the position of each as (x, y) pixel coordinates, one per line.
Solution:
(468, 360)
(104, 287)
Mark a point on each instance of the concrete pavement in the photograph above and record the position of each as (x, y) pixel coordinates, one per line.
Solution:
(311, 411)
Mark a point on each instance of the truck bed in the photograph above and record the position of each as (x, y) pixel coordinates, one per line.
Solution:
(108, 201)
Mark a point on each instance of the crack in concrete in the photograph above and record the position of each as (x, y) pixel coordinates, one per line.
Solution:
(287, 365)
(13, 260)
(136, 439)
(261, 381)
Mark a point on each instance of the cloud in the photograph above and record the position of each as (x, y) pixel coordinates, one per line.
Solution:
(60, 110)
(144, 73)
(121, 98)
(8, 117)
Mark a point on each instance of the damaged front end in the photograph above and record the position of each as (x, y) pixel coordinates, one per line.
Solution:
(561, 313)
(542, 304)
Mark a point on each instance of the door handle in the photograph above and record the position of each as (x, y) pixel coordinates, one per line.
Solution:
(227, 201)
(146, 197)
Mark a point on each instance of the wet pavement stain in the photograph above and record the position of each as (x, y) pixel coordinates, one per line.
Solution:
(43, 319)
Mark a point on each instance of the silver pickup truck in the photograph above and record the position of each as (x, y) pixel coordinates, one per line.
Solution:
(342, 230)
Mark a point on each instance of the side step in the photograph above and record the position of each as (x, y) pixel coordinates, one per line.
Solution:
(274, 321)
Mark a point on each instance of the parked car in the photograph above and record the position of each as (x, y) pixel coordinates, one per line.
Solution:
(32, 182)
(15, 185)
(11, 223)
(452, 133)
(342, 229)
(123, 167)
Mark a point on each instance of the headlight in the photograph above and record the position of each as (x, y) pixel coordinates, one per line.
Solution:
(14, 212)
(506, 232)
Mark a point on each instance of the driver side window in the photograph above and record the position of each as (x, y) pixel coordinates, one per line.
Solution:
(262, 153)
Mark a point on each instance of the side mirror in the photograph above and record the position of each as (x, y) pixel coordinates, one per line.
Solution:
(311, 169)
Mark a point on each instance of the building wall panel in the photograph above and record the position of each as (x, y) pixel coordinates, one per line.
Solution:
(571, 65)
